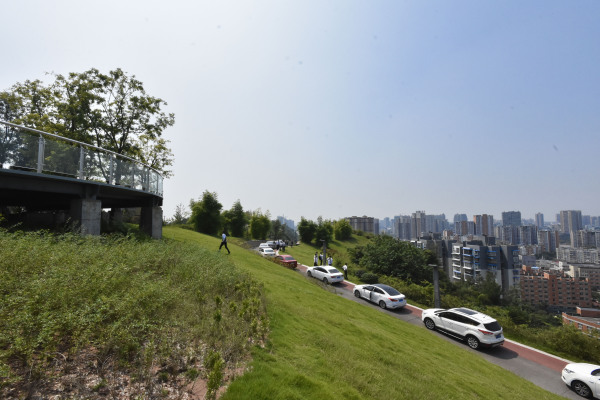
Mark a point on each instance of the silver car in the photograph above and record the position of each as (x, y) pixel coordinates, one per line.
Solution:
(325, 273)
(378, 293)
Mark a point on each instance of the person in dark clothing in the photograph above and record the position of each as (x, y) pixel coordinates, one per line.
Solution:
(224, 243)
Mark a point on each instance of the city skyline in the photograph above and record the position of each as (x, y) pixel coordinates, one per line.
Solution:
(346, 108)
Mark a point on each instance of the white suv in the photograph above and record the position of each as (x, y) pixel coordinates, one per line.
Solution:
(476, 328)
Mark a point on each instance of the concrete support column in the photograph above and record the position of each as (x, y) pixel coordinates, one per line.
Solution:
(151, 221)
(88, 213)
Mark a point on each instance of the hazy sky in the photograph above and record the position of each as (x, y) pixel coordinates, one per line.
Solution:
(340, 108)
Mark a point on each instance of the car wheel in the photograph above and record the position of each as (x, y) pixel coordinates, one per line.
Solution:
(382, 304)
(325, 281)
(581, 389)
(429, 324)
(357, 294)
(473, 342)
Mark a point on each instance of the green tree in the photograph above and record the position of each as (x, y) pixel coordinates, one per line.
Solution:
(206, 213)
(342, 230)
(112, 111)
(306, 230)
(260, 225)
(490, 290)
(235, 219)
(324, 231)
(387, 256)
(181, 215)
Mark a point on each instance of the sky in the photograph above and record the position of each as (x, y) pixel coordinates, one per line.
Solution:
(340, 108)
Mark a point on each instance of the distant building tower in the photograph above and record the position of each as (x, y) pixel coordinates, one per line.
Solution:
(460, 217)
(548, 240)
(539, 220)
(418, 224)
(365, 224)
(511, 218)
(570, 221)
(484, 225)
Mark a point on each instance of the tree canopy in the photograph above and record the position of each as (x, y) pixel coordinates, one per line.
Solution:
(235, 219)
(206, 213)
(112, 111)
(387, 256)
(260, 225)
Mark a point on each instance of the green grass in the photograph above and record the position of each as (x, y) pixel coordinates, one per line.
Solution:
(142, 302)
(322, 346)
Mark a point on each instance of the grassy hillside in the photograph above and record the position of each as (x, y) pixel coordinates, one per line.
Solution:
(322, 346)
(118, 317)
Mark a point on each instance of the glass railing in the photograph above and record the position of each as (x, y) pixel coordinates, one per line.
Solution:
(30, 150)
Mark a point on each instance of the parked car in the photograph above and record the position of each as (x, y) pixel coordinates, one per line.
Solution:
(378, 293)
(286, 261)
(264, 246)
(476, 328)
(583, 378)
(272, 244)
(266, 252)
(325, 273)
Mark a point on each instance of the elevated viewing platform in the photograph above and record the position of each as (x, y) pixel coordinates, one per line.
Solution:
(45, 172)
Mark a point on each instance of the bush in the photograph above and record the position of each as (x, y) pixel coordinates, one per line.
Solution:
(369, 277)
(359, 273)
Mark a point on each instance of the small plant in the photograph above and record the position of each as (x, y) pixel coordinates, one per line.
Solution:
(369, 277)
(214, 364)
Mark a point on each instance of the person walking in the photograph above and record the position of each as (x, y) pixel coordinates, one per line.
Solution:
(345, 268)
(224, 242)
(316, 259)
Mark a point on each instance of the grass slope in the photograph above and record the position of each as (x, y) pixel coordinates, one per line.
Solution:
(322, 346)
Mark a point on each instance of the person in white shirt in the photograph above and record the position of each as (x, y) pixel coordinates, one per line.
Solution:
(345, 268)
(224, 243)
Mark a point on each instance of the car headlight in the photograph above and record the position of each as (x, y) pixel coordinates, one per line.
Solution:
(568, 371)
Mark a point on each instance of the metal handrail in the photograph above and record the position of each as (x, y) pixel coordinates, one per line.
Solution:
(146, 178)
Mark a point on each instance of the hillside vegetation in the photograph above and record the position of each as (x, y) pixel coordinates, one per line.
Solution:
(322, 346)
(161, 311)
(116, 316)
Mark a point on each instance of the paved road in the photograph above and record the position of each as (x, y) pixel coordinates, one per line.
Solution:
(541, 368)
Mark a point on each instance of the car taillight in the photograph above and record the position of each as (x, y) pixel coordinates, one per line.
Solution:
(486, 332)
(389, 298)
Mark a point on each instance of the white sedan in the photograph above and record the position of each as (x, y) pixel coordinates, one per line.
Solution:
(325, 273)
(384, 295)
(266, 252)
(583, 378)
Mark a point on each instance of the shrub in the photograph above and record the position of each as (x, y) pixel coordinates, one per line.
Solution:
(369, 277)
(359, 273)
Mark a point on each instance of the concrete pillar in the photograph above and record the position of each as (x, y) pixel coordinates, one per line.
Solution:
(88, 213)
(151, 221)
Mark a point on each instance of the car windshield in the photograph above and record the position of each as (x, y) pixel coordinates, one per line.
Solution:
(493, 326)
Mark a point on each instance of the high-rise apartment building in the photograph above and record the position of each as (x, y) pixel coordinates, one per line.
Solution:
(570, 221)
(473, 260)
(484, 225)
(511, 218)
(402, 224)
(460, 217)
(364, 223)
(539, 220)
(464, 228)
(548, 240)
(418, 224)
